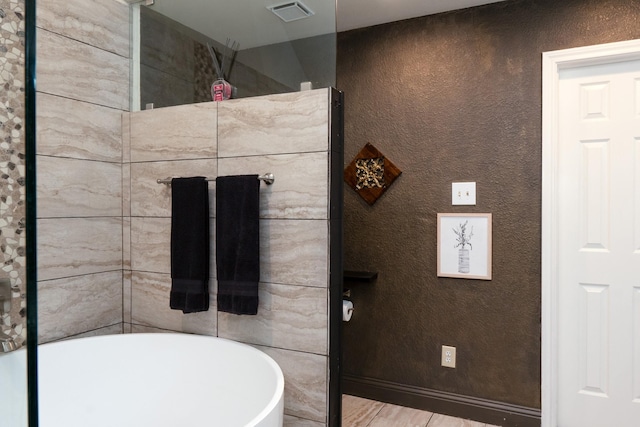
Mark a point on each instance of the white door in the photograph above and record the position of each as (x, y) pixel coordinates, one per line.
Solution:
(598, 263)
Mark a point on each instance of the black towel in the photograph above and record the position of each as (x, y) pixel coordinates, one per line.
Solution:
(189, 244)
(238, 243)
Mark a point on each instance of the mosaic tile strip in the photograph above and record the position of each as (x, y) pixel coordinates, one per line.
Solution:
(203, 73)
(12, 170)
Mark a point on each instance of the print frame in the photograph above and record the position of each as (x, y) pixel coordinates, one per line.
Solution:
(464, 245)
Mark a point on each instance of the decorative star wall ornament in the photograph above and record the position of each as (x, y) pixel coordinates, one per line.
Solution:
(370, 173)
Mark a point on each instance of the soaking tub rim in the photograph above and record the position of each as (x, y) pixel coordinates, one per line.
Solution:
(276, 393)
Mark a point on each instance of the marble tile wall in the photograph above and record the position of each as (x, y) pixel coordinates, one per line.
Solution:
(169, 134)
(96, 23)
(287, 134)
(290, 122)
(83, 88)
(90, 131)
(165, 142)
(99, 294)
(12, 169)
(72, 69)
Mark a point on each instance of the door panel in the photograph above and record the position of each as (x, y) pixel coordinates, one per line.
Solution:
(599, 260)
(592, 349)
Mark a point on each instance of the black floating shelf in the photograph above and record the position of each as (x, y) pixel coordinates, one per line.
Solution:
(360, 276)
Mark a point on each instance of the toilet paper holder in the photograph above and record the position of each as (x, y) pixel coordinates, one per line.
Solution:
(347, 310)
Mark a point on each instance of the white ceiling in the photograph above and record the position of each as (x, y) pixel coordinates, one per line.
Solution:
(251, 24)
(365, 13)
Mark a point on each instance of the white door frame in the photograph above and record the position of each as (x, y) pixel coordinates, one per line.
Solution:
(552, 64)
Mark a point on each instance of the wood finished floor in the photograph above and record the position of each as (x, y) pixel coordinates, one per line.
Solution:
(359, 412)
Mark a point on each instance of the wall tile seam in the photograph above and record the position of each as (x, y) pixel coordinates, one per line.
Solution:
(262, 282)
(112, 162)
(82, 159)
(194, 159)
(143, 325)
(50, 218)
(77, 276)
(81, 276)
(262, 218)
(81, 100)
(40, 28)
(164, 273)
(324, 356)
(67, 337)
(293, 219)
(266, 154)
(137, 217)
(234, 337)
(57, 95)
(276, 155)
(230, 336)
(113, 270)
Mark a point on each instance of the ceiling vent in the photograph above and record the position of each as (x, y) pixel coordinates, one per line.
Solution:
(291, 11)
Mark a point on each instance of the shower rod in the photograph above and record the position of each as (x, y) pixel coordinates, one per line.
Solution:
(268, 178)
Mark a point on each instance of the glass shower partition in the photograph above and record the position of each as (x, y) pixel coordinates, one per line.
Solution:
(181, 49)
(178, 51)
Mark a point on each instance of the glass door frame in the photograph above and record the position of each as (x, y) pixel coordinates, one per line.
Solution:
(30, 189)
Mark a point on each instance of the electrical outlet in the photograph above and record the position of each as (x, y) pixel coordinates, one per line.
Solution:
(448, 356)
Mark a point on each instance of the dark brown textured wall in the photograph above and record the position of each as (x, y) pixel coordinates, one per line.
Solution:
(456, 97)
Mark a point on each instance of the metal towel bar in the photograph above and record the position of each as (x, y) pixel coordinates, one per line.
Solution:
(268, 178)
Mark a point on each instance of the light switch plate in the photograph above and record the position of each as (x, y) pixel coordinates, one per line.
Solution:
(463, 193)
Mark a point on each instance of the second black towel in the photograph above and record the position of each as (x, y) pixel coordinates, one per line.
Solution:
(238, 243)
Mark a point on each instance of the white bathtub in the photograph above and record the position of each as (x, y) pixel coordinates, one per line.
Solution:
(157, 380)
(13, 388)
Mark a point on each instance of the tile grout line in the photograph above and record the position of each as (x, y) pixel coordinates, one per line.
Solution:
(429, 420)
(376, 415)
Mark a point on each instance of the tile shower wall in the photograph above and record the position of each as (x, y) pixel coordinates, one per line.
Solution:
(83, 87)
(176, 141)
(286, 134)
(12, 171)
